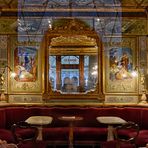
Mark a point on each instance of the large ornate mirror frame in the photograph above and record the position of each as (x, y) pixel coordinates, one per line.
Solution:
(73, 62)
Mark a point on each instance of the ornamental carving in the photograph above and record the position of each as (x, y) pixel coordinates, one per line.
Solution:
(77, 40)
(70, 25)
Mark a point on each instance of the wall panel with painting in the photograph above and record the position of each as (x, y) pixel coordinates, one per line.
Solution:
(120, 62)
(25, 61)
(143, 64)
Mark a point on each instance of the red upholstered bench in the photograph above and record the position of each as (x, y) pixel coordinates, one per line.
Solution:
(5, 134)
(89, 129)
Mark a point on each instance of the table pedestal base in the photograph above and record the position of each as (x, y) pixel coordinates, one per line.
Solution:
(40, 136)
(110, 134)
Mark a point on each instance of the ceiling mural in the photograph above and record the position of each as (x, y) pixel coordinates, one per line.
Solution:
(85, 3)
(102, 25)
(71, 3)
(8, 25)
(33, 25)
(134, 26)
(38, 21)
(113, 26)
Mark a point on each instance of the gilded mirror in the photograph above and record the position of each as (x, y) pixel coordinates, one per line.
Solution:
(73, 64)
(72, 60)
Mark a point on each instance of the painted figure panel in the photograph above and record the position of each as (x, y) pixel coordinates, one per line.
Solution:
(25, 63)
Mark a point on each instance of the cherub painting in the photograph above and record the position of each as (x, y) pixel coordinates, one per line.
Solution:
(25, 64)
(121, 63)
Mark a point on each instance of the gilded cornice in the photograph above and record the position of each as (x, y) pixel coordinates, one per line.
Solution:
(76, 40)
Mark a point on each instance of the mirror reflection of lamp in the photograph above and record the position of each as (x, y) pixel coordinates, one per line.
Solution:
(135, 73)
(94, 72)
(2, 82)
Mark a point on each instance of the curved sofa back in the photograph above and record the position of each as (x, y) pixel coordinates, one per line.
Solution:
(11, 115)
(2, 118)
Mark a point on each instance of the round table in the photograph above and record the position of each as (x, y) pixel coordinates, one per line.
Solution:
(39, 121)
(71, 120)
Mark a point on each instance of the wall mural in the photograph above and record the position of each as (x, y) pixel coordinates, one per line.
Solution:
(26, 63)
(120, 62)
(143, 64)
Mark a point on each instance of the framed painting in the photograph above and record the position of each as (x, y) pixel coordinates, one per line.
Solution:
(25, 61)
(143, 65)
(120, 59)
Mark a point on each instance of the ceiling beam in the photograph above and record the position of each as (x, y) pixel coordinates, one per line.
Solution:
(74, 14)
(101, 9)
(101, 12)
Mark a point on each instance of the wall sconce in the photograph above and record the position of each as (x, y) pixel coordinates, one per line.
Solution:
(135, 73)
(143, 99)
(95, 70)
(94, 73)
(2, 81)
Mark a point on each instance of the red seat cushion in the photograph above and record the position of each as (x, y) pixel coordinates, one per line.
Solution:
(2, 118)
(90, 133)
(31, 144)
(142, 138)
(127, 133)
(113, 144)
(58, 133)
(7, 135)
(80, 133)
(25, 133)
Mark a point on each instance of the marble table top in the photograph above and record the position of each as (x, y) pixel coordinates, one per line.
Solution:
(110, 120)
(70, 118)
(39, 120)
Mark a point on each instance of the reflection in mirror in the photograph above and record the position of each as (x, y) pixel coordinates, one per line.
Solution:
(73, 69)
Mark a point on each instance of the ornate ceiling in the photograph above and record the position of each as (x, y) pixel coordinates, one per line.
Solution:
(35, 16)
(73, 3)
(84, 5)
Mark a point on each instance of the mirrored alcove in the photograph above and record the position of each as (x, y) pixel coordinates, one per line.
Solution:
(73, 61)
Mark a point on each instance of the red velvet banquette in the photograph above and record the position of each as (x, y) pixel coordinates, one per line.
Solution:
(89, 129)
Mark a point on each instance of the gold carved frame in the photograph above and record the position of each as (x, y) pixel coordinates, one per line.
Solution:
(71, 29)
